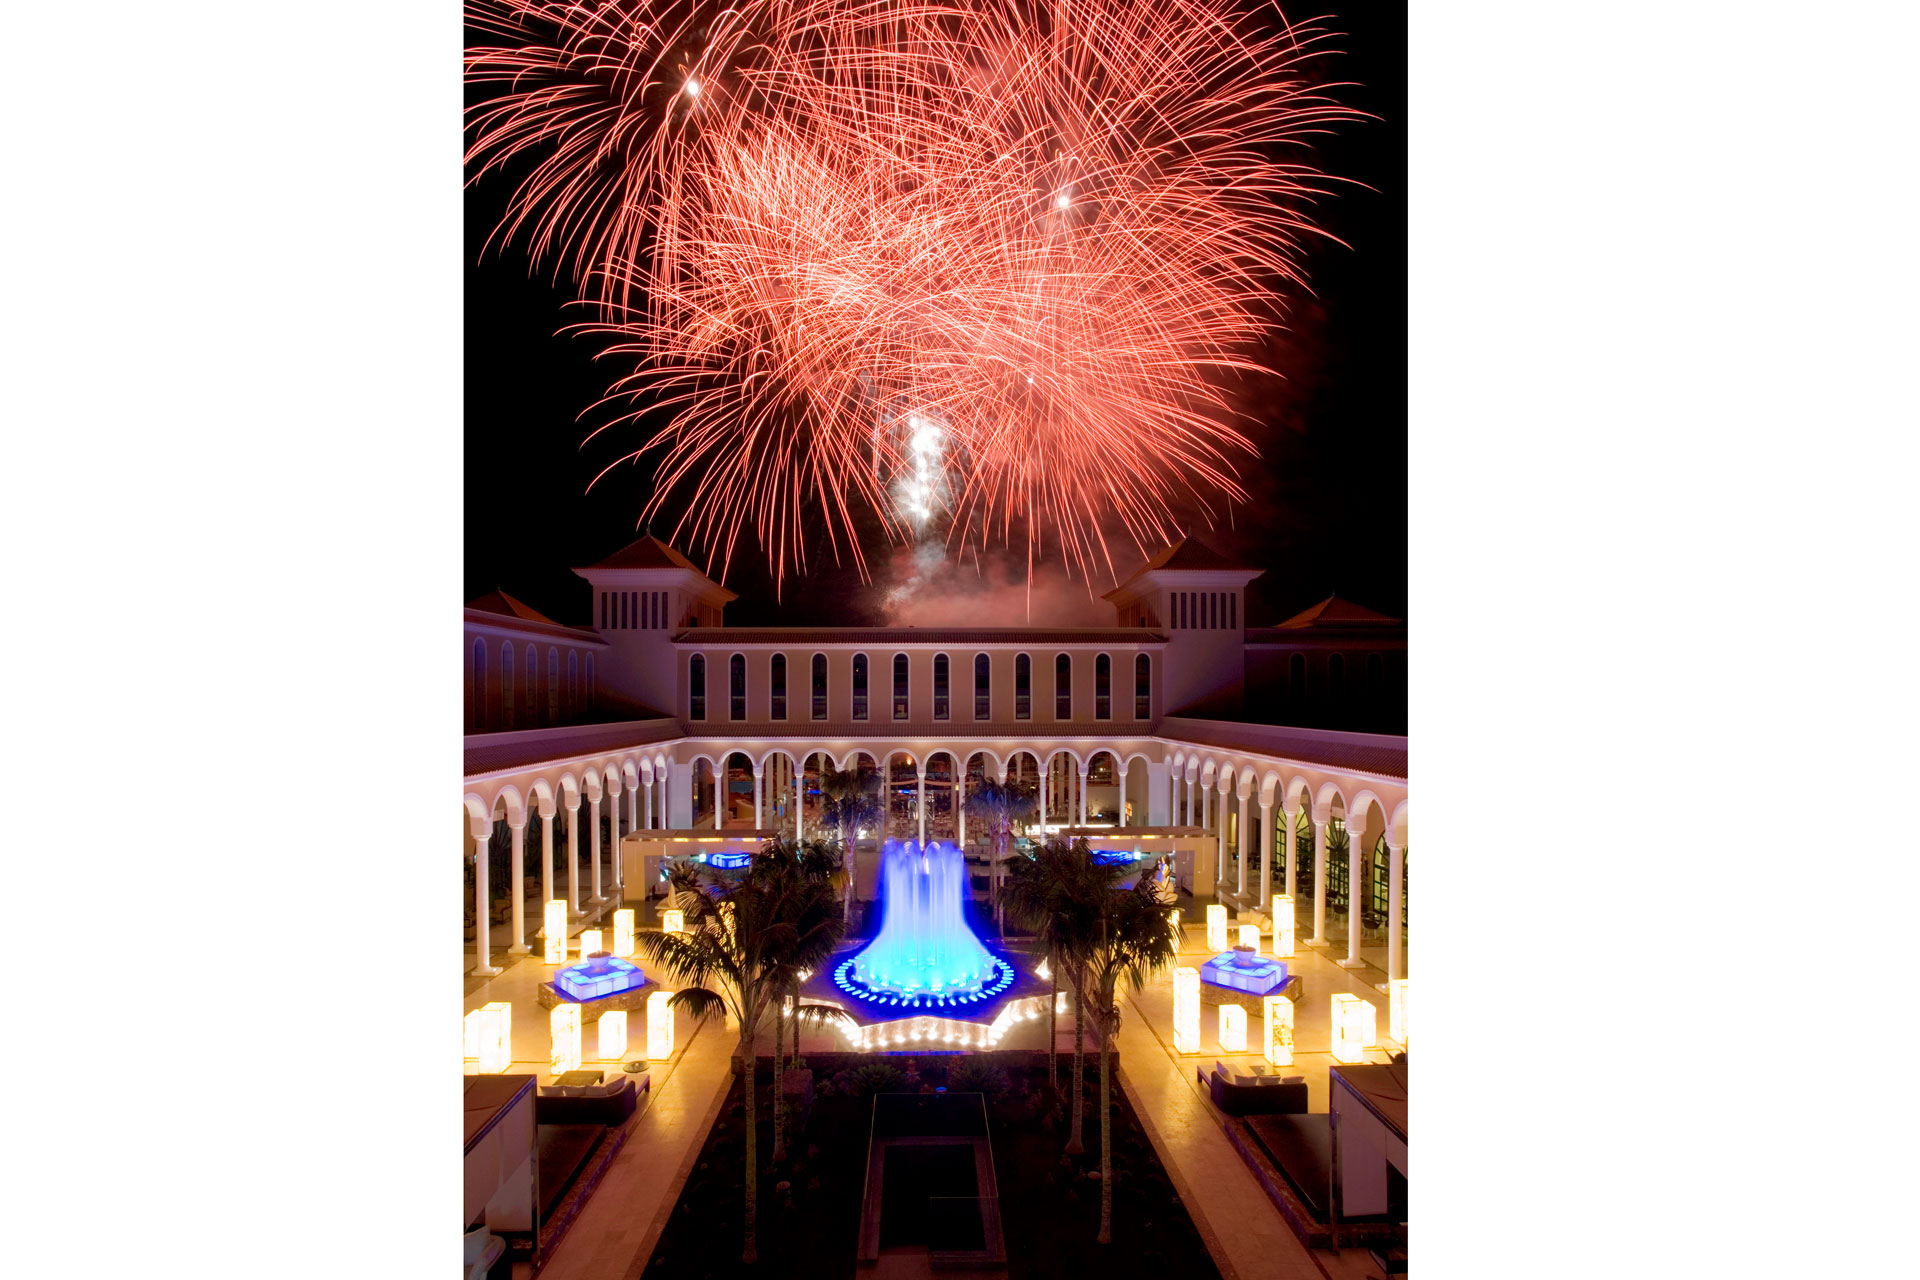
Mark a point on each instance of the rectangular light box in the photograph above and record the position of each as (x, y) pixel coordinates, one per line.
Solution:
(1279, 1031)
(1233, 1029)
(563, 1026)
(1282, 926)
(1353, 1028)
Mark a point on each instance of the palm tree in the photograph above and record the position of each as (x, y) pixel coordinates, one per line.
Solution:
(813, 861)
(1135, 939)
(1058, 894)
(745, 938)
(850, 802)
(999, 805)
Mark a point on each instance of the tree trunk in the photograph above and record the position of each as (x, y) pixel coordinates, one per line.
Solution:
(1074, 1145)
(847, 839)
(1053, 1006)
(1106, 1131)
(779, 1112)
(749, 1251)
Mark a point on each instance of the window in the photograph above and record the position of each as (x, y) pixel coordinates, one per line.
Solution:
(573, 679)
(1297, 680)
(737, 687)
(589, 682)
(819, 686)
(1336, 678)
(1063, 688)
(603, 610)
(622, 623)
(940, 686)
(1180, 611)
(506, 684)
(1377, 881)
(982, 687)
(479, 683)
(779, 686)
(533, 686)
(1213, 610)
(1022, 687)
(1103, 688)
(1142, 687)
(1233, 611)
(899, 686)
(859, 686)
(697, 688)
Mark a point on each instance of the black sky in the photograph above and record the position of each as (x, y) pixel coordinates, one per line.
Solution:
(1329, 509)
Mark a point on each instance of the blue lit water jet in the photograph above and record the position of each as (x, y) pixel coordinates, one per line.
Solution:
(925, 951)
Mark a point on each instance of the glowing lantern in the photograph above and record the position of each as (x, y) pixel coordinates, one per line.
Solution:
(556, 932)
(623, 932)
(1282, 926)
(1233, 1029)
(1186, 1010)
(673, 920)
(589, 941)
(489, 1037)
(1250, 937)
(1352, 1028)
(564, 1027)
(613, 1035)
(659, 1027)
(1397, 1011)
(1279, 1037)
(1216, 928)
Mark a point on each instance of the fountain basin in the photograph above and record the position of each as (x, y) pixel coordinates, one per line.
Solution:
(1245, 971)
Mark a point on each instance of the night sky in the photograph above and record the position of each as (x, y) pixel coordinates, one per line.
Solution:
(1329, 490)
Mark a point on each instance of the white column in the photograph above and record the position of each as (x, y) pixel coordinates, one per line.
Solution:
(923, 803)
(573, 859)
(613, 834)
(646, 802)
(800, 798)
(517, 889)
(1266, 855)
(960, 802)
(1120, 805)
(759, 817)
(1040, 798)
(1396, 870)
(594, 834)
(1293, 852)
(1220, 835)
(482, 918)
(719, 786)
(1319, 938)
(1084, 775)
(633, 805)
(1241, 851)
(1357, 889)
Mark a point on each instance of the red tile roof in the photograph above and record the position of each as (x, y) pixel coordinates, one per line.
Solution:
(498, 601)
(1185, 554)
(1335, 612)
(918, 635)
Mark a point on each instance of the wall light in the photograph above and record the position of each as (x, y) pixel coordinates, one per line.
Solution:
(1233, 1028)
(563, 1025)
(1186, 1010)
(1279, 1033)
(556, 932)
(613, 1035)
(1397, 1011)
(1250, 937)
(589, 942)
(1353, 1026)
(1283, 926)
(673, 920)
(623, 932)
(1216, 927)
(659, 1027)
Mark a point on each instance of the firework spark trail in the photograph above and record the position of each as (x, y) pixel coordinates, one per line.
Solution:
(1048, 227)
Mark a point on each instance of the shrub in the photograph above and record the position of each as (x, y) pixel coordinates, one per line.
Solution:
(868, 1079)
(975, 1076)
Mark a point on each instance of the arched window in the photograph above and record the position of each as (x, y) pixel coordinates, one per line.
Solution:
(737, 687)
(1103, 688)
(859, 686)
(1336, 678)
(899, 686)
(1142, 687)
(982, 687)
(779, 686)
(940, 690)
(1297, 680)
(533, 686)
(479, 683)
(573, 682)
(1063, 688)
(506, 683)
(589, 682)
(819, 686)
(697, 687)
(1022, 687)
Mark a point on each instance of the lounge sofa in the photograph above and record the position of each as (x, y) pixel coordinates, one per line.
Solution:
(1254, 1095)
(610, 1103)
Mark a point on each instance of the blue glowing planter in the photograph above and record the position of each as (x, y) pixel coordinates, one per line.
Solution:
(730, 861)
(1244, 971)
(598, 976)
(1116, 857)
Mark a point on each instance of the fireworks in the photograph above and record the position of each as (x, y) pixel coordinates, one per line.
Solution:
(976, 268)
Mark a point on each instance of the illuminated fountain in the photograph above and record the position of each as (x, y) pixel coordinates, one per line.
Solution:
(925, 956)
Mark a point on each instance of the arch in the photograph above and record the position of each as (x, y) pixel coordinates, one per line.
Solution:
(1247, 782)
(1206, 774)
(1324, 798)
(630, 772)
(1298, 794)
(542, 790)
(1177, 759)
(479, 814)
(1224, 778)
(646, 771)
(1015, 754)
(610, 778)
(1269, 786)
(1193, 769)
(569, 790)
(516, 806)
(1359, 806)
(1141, 756)
(1397, 827)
